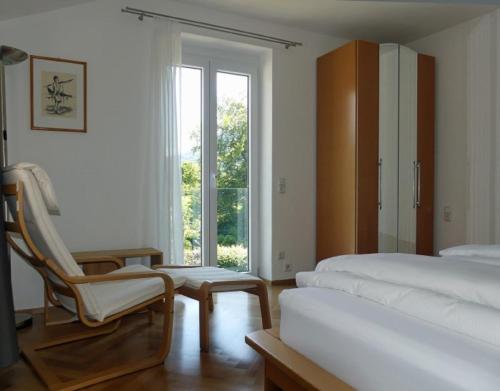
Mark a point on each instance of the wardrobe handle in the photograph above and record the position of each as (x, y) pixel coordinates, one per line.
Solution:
(414, 184)
(380, 184)
(419, 176)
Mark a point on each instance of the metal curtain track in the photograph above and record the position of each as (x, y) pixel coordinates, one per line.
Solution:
(209, 26)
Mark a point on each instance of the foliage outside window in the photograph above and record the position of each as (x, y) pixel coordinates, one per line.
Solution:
(232, 185)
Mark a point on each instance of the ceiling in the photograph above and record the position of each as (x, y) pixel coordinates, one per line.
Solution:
(14, 8)
(390, 21)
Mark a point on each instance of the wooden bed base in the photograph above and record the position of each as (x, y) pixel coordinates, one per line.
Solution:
(288, 370)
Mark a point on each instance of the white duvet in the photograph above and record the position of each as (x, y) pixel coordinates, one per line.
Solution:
(461, 296)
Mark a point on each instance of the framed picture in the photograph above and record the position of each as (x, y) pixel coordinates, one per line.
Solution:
(58, 94)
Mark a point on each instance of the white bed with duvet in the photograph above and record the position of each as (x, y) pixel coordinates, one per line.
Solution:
(398, 321)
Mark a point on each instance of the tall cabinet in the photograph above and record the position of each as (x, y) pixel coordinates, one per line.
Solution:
(347, 150)
(375, 150)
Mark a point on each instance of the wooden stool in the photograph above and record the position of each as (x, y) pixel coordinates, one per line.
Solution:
(201, 282)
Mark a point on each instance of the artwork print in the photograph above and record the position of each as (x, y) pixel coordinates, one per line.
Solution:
(58, 94)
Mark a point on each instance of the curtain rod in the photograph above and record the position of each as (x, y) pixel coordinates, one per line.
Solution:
(242, 33)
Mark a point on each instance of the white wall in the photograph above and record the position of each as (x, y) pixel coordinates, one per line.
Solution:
(98, 175)
(294, 156)
(467, 130)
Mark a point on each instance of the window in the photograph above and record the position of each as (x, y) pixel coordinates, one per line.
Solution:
(218, 166)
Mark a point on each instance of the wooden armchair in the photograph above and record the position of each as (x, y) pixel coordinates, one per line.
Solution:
(32, 235)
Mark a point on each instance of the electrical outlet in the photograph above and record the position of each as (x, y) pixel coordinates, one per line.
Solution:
(281, 255)
(447, 214)
(287, 267)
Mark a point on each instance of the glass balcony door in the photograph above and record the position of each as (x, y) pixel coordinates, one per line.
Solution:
(216, 123)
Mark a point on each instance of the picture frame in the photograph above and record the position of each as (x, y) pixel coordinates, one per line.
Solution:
(58, 94)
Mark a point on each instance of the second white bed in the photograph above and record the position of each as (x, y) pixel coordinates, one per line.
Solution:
(372, 347)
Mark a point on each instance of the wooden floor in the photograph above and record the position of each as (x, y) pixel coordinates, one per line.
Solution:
(230, 365)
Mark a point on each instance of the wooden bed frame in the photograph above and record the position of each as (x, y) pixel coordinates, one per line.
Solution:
(288, 370)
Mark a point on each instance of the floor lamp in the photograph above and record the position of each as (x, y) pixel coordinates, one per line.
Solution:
(9, 56)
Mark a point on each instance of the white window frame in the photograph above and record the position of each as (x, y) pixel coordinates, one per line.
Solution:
(210, 65)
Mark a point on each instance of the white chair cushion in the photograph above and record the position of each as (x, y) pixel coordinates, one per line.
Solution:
(115, 296)
(196, 276)
(44, 234)
(177, 280)
(100, 300)
(44, 183)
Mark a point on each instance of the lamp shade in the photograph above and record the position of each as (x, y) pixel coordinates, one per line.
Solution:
(11, 56)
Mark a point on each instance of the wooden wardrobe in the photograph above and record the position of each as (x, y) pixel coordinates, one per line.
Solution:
(367, 121)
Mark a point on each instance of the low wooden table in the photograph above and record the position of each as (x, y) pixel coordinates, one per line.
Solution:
(121, 255)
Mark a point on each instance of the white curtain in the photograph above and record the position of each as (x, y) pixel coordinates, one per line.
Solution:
(165, 182)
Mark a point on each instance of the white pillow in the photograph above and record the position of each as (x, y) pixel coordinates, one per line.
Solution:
(474, 259)
(473, 250)
(46, 188)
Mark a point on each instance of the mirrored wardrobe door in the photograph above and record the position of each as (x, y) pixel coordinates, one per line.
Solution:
(388, 148)
(408, 165)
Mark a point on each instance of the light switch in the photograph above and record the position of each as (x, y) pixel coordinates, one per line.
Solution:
(282, 185)
(447, 214)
